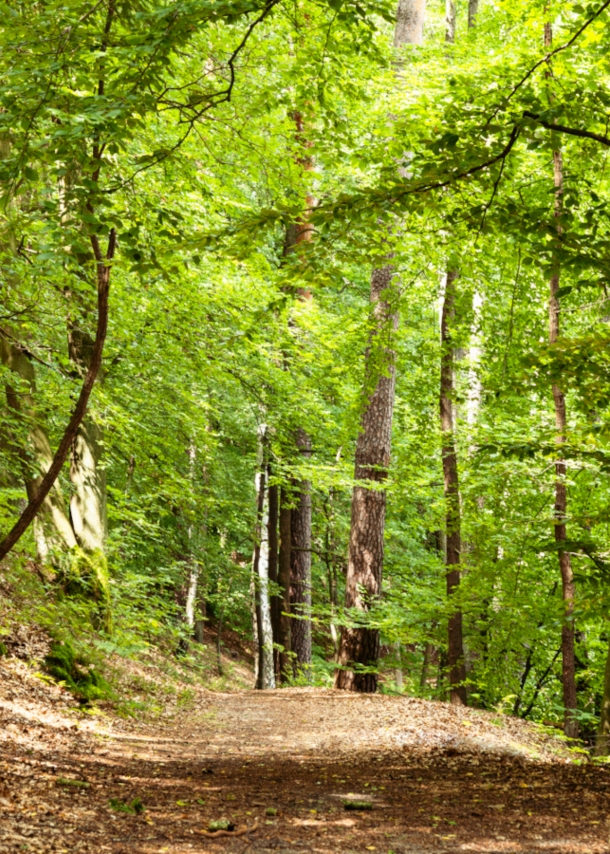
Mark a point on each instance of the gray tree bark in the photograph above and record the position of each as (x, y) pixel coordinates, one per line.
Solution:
(52, 528)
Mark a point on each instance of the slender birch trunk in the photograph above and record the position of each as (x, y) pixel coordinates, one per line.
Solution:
(450, 21)
(358, 654)
(568, 669)
(194, 567)
(260, 571)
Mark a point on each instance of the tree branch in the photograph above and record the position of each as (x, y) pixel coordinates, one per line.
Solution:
(584, 134)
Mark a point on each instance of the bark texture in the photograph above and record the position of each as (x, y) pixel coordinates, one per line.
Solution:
(87, 476)
(359, 647)
(410, 16)
(265, 676)
(285, 623)
(473, 10)
(300, 565)
(52, 528)
(450, 21)
(455, 646)
(275, 601)
(602, 744)
(568, 658)
(47, 482)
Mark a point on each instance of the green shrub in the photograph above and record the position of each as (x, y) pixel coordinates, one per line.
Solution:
(76, 673)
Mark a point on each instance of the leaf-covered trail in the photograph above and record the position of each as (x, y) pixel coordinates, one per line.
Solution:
(284, 762)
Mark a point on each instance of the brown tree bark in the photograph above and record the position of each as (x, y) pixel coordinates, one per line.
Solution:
(36, 501)
(272, 538)
(300, 565)
(359, 646)
(285, 623)
(455, 646)
(602, 742)
(568, 666)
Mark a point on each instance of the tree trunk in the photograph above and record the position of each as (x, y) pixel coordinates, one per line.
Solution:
(300, 564)
(398, 676)
(602, 743)
(285, 623)
(473, 10)
(88, 478)
(359, 646)
(260, 564)
(410, 17)
(37, 500)
(455, 647)
(276, 601)
(450, 21)
(52, 528)
(568, 668)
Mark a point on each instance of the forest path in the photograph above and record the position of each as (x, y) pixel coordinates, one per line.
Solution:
(284, 763)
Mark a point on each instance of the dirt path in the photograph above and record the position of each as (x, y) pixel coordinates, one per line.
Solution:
(285, 762)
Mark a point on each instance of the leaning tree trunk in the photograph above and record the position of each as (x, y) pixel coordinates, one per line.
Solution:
(300, 566)
(52, 528)
(568, 668)
(359, 646)
(455, 646)
(37, 500)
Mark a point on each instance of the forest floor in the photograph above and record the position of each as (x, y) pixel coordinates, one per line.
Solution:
(281, 765)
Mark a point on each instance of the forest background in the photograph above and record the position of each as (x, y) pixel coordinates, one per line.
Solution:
(226, 180)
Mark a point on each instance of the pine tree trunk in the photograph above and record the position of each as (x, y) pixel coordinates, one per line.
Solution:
(359, 646)
(300, 564)
(568, 667)
(358, 653)
(276, 601)
(455, 647)
(285, 623)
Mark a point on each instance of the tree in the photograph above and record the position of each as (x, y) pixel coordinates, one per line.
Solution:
(359, 645)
